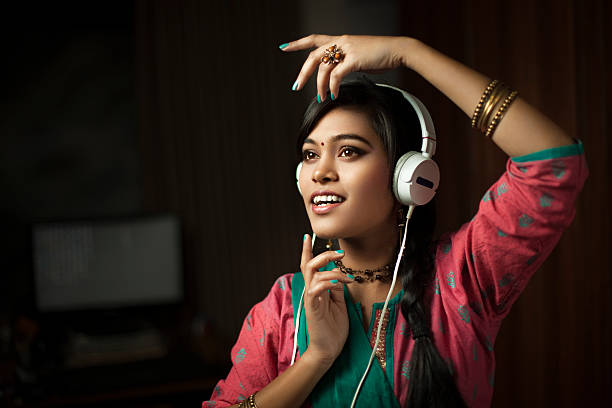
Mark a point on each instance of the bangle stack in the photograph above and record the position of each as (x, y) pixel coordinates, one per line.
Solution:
(493, 94)
(249, 402)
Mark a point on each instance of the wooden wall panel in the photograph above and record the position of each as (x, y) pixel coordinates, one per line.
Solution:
(218, 125)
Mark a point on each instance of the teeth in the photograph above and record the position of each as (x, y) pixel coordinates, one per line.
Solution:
(327, 199)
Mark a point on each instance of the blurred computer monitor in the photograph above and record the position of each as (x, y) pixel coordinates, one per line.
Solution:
(107, 264)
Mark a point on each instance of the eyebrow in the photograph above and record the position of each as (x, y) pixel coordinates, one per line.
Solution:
(343, 136)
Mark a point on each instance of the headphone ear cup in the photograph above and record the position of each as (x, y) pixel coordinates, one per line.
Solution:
(415, 179)
(297, 176)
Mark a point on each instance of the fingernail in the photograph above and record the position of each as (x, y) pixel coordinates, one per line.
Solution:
(334, 281)
(332, 96)
(282, 46)
(318, 98)
(350, 276)
(305, 235)
(295, 86)
(340, 251)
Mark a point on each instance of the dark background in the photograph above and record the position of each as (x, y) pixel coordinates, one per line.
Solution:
(118, 109)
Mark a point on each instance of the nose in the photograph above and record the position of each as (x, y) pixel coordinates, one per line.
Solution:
(324, 171)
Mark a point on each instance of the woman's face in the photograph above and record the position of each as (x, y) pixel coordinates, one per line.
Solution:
(345, 177)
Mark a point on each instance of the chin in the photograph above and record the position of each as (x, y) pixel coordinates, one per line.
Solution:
(325, 230)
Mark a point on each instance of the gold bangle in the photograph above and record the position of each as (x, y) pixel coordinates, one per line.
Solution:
(484, 96)
(500, 113)
(496, 96)
(252, 403)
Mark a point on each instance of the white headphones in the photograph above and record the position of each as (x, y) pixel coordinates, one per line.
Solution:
(416, 175)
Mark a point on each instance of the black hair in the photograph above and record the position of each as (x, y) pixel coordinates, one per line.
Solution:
(395, 121)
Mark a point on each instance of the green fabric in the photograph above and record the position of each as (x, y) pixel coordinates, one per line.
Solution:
(553, 153)
(338, 385)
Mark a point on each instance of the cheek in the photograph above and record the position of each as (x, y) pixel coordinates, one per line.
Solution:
(372, 188)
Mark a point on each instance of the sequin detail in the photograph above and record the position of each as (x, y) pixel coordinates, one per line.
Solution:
(380, 350)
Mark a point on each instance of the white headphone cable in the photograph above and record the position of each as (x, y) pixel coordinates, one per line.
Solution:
(299, 313)
(397, 263)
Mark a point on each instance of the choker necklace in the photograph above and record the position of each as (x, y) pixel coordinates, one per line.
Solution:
(381, 274)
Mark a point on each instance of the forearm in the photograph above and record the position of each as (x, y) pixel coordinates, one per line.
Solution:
(523, 129)
(293, 386)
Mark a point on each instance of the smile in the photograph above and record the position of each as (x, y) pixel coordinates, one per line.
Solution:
(324, 203)
(321, 200)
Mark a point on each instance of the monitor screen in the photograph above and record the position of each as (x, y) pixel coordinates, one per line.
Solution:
(107, 264)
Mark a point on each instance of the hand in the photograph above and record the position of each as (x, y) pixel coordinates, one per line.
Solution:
(361, 53)
(326, 315)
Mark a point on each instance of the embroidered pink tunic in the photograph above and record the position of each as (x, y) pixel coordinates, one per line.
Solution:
(480, 271)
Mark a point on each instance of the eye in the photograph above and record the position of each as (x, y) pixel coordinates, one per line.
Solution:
(308, 155)
(350, 151)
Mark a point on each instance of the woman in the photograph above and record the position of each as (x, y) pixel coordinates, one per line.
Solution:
(435, 346)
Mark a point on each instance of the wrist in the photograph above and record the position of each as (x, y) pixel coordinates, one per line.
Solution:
(316, 360)
(407, 48)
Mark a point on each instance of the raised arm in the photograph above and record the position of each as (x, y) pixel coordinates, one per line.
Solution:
(522, 131)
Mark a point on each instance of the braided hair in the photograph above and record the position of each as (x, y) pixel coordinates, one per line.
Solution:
(394, 120)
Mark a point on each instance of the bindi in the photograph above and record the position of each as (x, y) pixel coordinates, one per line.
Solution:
(322, 144)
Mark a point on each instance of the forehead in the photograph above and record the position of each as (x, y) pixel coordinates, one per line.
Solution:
(345, 121)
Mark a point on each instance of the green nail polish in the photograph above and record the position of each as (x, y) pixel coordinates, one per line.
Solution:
(295, 85)
(305, 235)
(334, 281)
(340, 251)
(318, 98)
(282, 46)
(350, 276)
(332, 96)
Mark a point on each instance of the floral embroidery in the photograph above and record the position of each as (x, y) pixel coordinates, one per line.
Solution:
(451, 279)
(464, 313)
(525, 220)
(240, 355)
(546, 200)
(489, 344)
(532, 259)
(491, 195)
(406, 368)
(558, 168)
(281, 283)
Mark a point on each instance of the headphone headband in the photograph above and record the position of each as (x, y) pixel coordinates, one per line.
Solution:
(428, 148)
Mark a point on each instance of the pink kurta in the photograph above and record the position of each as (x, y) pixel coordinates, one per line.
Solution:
(481, 269)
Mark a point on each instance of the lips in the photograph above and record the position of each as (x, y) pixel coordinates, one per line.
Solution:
(324, 201)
